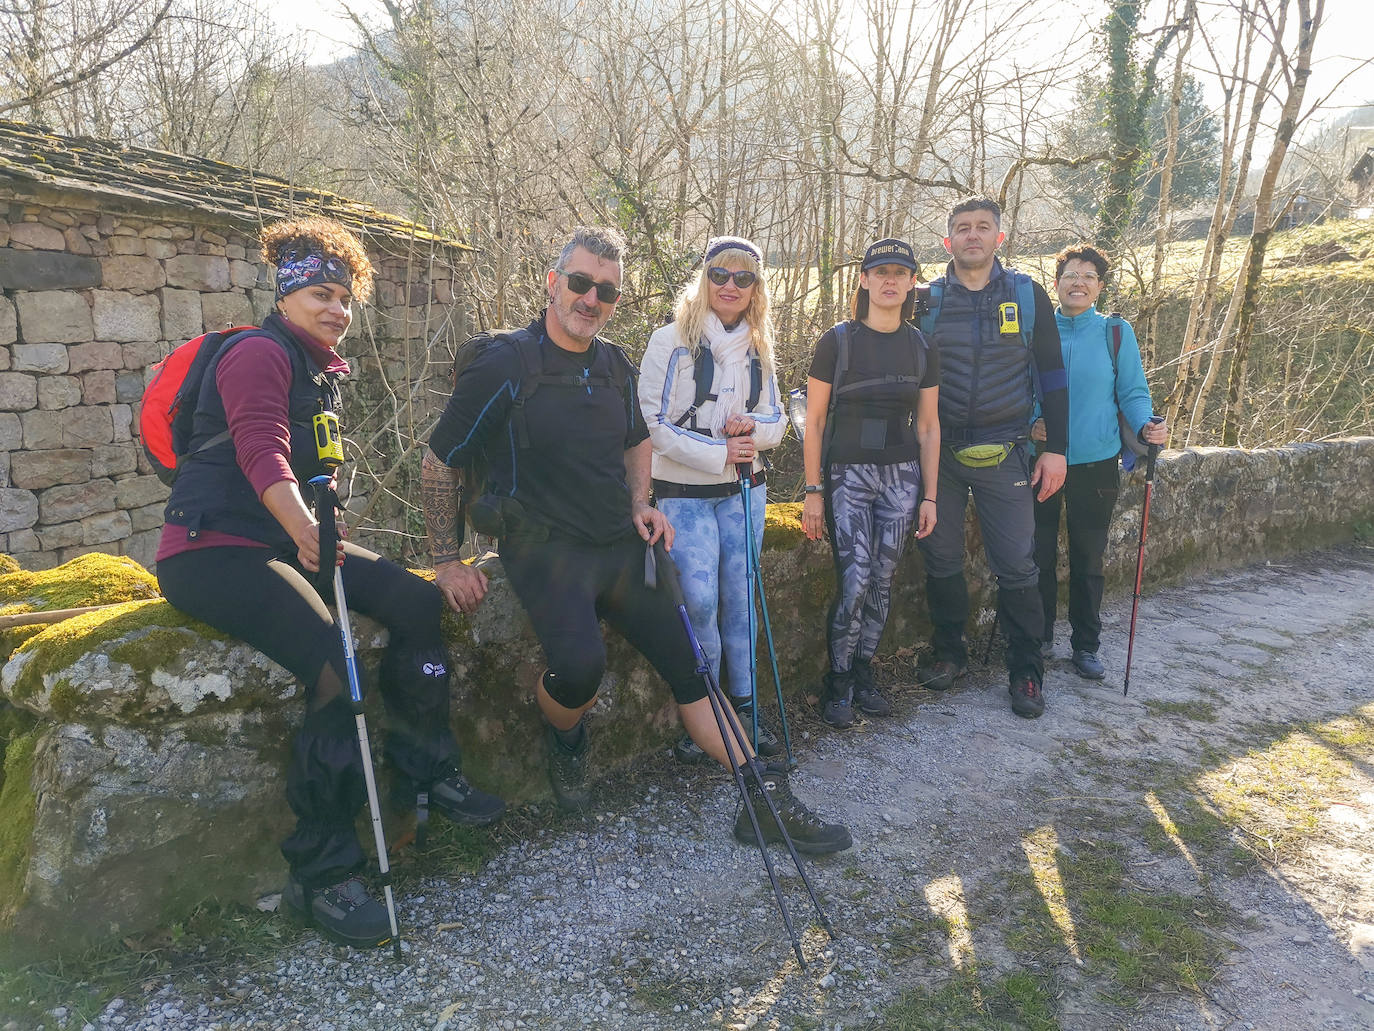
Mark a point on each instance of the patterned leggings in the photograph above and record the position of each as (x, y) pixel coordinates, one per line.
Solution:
(710, 554)
(870, 510)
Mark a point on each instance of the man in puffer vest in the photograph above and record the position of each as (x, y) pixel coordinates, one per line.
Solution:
(995, 355)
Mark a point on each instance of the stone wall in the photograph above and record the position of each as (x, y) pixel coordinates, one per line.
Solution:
(91, 300)
(153, 745)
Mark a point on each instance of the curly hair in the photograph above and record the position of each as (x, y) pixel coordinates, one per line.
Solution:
(693, 305)
(330, 238)
(1082, 252)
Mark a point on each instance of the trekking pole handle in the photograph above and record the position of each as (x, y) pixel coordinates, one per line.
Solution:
(666, 571)
(1152, 454)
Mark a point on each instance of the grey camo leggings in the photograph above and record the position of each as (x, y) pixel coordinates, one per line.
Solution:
(870, 510)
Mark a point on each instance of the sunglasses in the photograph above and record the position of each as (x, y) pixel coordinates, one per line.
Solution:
(744, 279)
(579, 283)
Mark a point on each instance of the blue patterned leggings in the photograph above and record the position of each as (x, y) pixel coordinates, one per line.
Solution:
(710, 554)
(870, 510)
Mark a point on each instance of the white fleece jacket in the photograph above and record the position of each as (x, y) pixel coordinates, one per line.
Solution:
(667, 388)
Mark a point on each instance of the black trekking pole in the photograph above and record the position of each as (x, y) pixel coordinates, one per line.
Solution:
(1140, 555)
(326, 501)
(733, 737)
(755, 575)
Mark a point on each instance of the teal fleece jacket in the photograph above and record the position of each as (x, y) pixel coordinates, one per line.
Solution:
(1094, 433)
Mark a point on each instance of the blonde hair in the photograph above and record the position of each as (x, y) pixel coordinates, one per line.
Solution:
(693, 305)
(330, 238)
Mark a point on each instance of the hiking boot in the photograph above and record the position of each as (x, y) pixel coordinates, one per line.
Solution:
(1088, 665)
(464, 804)
(568, 769)
(688, 751)
(940, 675)
(867, 697)
(768, 744)
(838, 707)
(808, 833)
(1027, 697)
(343, 912)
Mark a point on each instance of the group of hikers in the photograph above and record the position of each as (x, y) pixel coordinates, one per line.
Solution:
(975, 385)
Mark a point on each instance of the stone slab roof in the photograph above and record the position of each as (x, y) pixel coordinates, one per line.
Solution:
(139, 176)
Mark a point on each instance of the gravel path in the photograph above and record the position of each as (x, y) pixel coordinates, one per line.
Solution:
(647, 915)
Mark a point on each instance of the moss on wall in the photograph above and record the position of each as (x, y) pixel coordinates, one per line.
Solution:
(86, 580)
(17, 814)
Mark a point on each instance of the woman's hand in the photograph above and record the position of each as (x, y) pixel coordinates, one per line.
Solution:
(925, 517)
(739, 426)
(739, 450)
(813, 517)
(1038, 430)
(1156, 432)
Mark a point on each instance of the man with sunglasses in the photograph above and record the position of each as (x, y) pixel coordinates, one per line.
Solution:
(569, 470)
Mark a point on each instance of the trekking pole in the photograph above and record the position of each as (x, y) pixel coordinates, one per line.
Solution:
(1140, 554)
(753, 558)
(745, 470)
(325, 501)
(730, 731)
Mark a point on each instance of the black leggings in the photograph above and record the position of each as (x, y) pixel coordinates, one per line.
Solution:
(566, 587)
(266, 600)
(1088, 497)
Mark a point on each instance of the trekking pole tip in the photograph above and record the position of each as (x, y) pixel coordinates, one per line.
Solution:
(796, 947)
(396, 948)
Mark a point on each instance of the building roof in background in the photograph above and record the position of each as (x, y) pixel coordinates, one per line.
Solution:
(139, 175)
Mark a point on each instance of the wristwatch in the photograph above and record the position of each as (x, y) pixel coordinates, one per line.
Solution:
(813, 488)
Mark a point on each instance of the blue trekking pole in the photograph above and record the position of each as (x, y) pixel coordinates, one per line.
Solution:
(325, 502)
(744, 470)
(754, 575)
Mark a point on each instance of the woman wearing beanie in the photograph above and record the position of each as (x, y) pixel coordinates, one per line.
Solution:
(241, 551)
(722, 328)
(872, 454)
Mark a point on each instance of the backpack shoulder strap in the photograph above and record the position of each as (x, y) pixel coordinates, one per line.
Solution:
(1025, 304)
(703, 374)
(755, 382)
(928, 299)
(841, 360)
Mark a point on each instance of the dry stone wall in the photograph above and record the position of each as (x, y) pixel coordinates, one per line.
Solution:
(90, 300)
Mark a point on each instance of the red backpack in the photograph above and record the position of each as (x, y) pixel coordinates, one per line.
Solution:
(169, 401)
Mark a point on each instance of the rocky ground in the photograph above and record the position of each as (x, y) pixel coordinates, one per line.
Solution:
(1199, 854)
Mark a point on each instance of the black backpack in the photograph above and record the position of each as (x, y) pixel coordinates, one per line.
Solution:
(532, 377)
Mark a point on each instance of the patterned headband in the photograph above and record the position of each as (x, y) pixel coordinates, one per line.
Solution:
(296, 270)
(730, 243)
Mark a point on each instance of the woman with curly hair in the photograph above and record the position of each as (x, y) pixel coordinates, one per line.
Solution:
(241, 551)
(700, 451)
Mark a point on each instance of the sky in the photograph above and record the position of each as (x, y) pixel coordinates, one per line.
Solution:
(1346, 38)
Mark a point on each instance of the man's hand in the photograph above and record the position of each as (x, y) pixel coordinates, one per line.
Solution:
(463, 586)
(652, 524)
(1050, 470)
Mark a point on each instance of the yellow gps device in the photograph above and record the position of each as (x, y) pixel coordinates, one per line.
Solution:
(1008, 319)
(327, 442)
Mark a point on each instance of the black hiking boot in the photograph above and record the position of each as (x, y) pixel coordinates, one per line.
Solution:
(568, 769)
(940, 675)
(807, 831)
(343, 912)
(837, 707)
(1027, 697)
(867, 697)
(464, 804)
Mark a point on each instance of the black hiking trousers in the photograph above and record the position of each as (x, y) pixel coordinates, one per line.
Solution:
(264, 598)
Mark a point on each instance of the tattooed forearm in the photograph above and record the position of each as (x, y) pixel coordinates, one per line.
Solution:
(439, 487)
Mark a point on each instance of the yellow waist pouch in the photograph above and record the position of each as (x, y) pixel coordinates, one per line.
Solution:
(982, 456)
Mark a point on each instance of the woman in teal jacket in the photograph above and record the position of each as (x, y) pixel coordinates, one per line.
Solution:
(1102, 379)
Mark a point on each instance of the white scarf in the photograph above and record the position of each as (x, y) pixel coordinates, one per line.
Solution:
(730, 350)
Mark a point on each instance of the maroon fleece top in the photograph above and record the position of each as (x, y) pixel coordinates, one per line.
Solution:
(254, 381)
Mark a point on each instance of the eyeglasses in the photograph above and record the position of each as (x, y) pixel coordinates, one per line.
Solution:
(1073, 277)
(579, 283)
(744, 279)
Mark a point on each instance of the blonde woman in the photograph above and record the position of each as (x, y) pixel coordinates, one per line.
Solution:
(721, 337)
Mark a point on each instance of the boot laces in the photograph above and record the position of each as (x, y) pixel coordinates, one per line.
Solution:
(789, 805)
